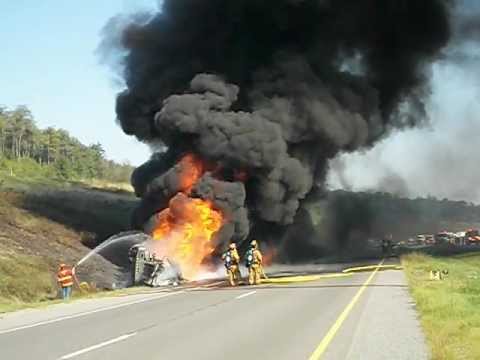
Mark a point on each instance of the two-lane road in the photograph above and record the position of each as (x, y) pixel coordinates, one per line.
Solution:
(365, 316)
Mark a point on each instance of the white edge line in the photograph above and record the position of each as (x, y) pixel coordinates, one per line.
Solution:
(87, 313)
(246, 294)
(98, 346)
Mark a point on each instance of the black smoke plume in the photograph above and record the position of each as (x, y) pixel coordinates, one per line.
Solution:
(274, 88)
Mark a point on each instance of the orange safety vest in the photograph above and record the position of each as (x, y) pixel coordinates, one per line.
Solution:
(65, 278)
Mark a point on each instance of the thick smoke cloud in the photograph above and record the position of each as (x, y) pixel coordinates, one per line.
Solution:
(445, 164)
(438, 160)
(465, 23)
(273, 88)
(229, 197)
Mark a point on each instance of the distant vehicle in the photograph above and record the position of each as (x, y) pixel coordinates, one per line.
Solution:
(445, 237)
(472, 237)
(412, 241)
(421, 239)
(460, 238)
(429, 239)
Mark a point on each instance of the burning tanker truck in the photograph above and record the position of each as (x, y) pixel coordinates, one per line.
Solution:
(189, 230)
(147, 269)
(245, 102)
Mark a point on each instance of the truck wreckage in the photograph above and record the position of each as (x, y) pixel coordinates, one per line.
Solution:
(147, 269)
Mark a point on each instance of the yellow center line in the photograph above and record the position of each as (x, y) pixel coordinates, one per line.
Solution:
(338, 323)
(372, 267)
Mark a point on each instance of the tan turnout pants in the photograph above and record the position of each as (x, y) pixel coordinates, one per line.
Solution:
(254, 274)
(233, 275)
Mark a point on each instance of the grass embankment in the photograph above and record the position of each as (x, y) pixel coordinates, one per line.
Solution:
(26, 174)
(44, 221)
(28, 282)
(24, 279)
(449, 309)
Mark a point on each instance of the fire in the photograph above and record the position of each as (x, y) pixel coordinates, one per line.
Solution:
(185, 229)
(192, 169)
(269, 256)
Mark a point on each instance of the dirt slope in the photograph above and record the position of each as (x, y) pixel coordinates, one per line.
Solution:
(43, 226)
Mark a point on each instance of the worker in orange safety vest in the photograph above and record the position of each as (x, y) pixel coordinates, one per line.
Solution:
(65, 280)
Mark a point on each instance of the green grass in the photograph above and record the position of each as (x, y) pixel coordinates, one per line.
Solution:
(28, 282)
(24, 279)
(449, 309)
(46, 220)
(26, 174)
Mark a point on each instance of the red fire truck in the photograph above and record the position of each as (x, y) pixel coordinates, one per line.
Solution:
(472, 237)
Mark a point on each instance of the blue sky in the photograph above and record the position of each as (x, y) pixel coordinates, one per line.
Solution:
(49, 63)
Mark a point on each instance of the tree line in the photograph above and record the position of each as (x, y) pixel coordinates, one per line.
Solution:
(54, 149)
(345, 215)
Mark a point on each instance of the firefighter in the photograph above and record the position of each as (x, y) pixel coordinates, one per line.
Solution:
(231, 260)
(387, 246)
(254, 263)
(65, 280)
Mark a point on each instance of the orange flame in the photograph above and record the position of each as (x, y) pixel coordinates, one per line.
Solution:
(192, 169)
(186, 228)
(269, 256)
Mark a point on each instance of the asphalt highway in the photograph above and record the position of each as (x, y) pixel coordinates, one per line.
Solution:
(367, 315)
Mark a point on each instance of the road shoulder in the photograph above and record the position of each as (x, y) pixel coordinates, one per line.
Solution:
(384, 325)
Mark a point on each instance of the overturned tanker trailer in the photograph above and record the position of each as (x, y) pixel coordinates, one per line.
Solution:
(147, 269)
